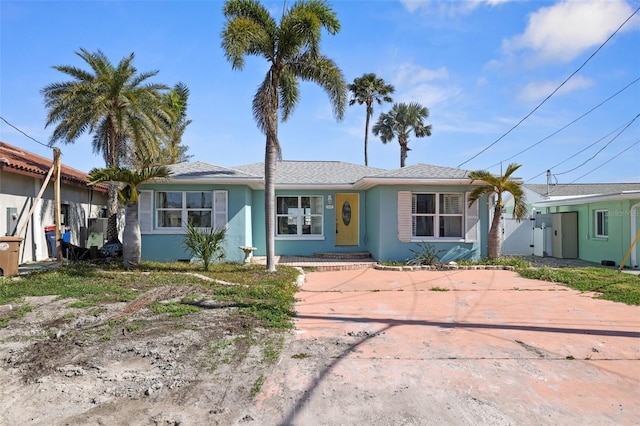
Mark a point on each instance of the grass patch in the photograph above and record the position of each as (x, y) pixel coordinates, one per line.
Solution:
(390, 263)
(438, 289)
(262, 295)
(271, 349)
(78, 280)
(18, 313)
(257, 386)
(174, 309)
(219, 352)
(515, 261)
(612, 285)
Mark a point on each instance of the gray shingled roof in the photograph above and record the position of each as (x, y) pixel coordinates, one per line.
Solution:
(314, 172)
(573, 189)
(201, 170)
(425, 171)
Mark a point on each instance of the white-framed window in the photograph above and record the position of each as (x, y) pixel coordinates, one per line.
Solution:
(601, 224)
(437, 215)
(299, 216)
(172, 210)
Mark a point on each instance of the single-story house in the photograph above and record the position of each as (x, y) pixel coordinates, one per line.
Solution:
(22, 175)
(321, 206)
(594, 222)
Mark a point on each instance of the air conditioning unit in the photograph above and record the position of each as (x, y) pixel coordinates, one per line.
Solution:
(97, 232)
(98, 225)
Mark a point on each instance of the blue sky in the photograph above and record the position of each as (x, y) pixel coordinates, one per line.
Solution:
(479, 66)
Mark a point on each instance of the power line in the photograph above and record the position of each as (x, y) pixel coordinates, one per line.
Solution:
(569, 124)
(552, 93)
(609, 160)
(601, 149)
(33, 139)
(578, 153)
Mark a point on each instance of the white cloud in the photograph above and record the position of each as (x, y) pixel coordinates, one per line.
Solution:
(540, 89)
(409, 74)
(447, 7)
(423, 85)
(565, 30)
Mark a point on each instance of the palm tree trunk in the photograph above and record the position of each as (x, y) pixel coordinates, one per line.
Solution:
(131, 244)
(495, 233)
(112, 214)
(270, 202)
(366, 134)
(403, 154)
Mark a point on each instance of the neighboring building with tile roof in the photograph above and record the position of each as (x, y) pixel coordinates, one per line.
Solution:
(22, 175)
(18, 161)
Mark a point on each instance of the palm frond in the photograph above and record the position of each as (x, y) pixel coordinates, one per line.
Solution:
(324, 72)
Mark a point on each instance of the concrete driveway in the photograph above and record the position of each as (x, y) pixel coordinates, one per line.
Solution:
(456, 347)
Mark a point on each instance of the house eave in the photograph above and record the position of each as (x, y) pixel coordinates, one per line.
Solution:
(593, 198)
(316, 187)
(252, 183)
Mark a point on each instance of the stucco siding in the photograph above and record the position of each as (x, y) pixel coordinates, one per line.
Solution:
(166, 246)
(614, 246)
(290, 246)
(19, 192)
(388, 246)
(373, 222)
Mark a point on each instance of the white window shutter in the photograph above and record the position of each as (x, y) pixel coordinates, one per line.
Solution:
(145, 211)
(404, 216)
(472, 224)
(220, 209)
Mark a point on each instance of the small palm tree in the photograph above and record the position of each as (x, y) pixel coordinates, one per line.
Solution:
(114, 103)
(366, 90)
(292, 50)
(130, 180)
(499, 185)
(205, 244)
(400, 122)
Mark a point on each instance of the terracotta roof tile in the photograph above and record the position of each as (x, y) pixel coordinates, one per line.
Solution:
(16, 160)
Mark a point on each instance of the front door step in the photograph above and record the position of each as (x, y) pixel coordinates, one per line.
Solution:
(344, 255)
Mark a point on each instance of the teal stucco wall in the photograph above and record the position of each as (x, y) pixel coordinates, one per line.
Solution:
(168, 247)
(378, 225)
(384, 243)
(307, 247)
(619, 238)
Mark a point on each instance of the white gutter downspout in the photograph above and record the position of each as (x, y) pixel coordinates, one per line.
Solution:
(634, 214)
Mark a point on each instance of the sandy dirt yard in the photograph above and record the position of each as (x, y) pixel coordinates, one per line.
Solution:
(370, 348)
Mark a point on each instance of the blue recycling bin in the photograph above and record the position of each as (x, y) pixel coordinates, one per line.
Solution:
(50, 233)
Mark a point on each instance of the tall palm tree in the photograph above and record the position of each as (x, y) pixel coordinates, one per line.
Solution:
(168, 148)
(130, 180)
(400, 122)
(292, 50)
(366, 90)
(499, 185)
(173, 150)
(114, 103)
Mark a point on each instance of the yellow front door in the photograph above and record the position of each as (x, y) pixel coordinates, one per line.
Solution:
(347, 213)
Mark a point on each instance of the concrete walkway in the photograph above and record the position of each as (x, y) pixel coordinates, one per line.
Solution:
(460, 347)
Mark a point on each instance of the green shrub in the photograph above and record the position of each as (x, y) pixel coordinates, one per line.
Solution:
(205, 244)
(426, 254)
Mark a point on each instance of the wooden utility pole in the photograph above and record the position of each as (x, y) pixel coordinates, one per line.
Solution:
(56, 197)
